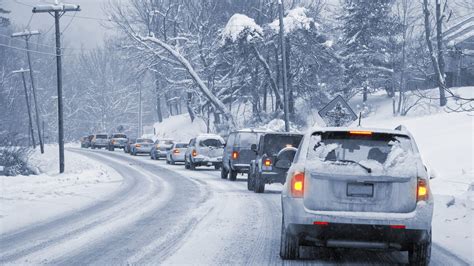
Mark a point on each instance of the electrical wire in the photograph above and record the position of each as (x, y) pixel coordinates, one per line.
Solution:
(33, 51)
(69, 24)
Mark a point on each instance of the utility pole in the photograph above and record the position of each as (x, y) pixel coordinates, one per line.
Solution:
(140, 126)
(283, 59)
(57, 11)
(22, 71)
(27, 35)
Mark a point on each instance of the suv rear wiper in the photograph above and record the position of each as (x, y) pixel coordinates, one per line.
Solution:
(369, 170)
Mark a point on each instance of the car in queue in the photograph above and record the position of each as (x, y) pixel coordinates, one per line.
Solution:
(358, 188)
(176, 153)
(161, 148)
(127, 147)
(117, 140)
(204, 150)
(85, 141)
(141, 146)
(99, 141)
(271, 162)
(238, 154)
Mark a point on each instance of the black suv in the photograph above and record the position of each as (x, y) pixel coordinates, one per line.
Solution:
(271, 164)
(238, 153)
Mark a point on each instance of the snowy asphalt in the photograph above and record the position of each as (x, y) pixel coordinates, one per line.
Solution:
(168, 215)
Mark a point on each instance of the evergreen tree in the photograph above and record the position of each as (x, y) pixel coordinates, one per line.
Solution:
(368, 29)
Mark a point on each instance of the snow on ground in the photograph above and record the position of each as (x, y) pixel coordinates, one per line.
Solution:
(445, 141)
(26, 200)
(180, 128)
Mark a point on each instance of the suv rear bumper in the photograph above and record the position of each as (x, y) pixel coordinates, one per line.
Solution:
(240, 167)
(419, 219)
(368, 236)
(273, 177)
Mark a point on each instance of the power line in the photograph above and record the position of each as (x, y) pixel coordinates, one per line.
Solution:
(23, 49)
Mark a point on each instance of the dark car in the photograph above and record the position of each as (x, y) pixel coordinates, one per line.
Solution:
(86, 141)
(161, 148)
(117, 140)
(238, 153)
(127, 147)
(99, 141)
(269, 166)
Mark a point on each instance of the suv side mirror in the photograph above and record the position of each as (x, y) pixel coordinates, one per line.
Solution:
(253, 147)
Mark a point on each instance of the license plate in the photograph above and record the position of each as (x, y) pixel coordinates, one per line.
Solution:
(360, 190)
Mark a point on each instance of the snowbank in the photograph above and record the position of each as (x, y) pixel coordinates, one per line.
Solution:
(27, 200)
(180, 128)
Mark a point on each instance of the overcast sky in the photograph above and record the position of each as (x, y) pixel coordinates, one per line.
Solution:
(83, 31)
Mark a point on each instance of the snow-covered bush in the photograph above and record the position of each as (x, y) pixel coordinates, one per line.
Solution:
(14, 158)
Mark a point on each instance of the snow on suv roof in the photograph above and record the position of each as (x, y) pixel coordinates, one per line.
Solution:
(208, 136)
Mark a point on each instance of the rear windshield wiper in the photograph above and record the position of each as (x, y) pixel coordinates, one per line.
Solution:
(369, 170)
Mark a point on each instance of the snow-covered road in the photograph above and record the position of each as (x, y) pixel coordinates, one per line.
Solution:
(166, 214)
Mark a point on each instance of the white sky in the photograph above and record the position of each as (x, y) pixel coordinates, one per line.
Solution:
(82, 32)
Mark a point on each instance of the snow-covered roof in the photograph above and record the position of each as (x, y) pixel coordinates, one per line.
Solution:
(296, 19)
(209, 136)
(239, 23)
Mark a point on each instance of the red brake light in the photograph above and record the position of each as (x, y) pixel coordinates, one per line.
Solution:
(421, 190)
(138, 145)
(194, 153)
(267, 162)
(235, 155)
(176, 151)
(321, 223)
(297, 185)
(397, 226)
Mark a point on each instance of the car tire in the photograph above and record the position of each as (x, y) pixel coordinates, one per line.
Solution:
(217, 166)
(186, 164)
(232, 175)
(420, 253)
(192, 166)
(93, 147)
(112, 148)
(259, 185)
(250, 183)
(224, 173)
(289, 244)
(172, 162)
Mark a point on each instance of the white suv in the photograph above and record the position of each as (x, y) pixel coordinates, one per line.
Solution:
(358, 188)
(204, 150)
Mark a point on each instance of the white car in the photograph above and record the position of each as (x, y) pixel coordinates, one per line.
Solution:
(204, 150)
(176, 153)
(358, 188)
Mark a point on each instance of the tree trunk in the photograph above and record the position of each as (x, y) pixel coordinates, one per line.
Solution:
(434, 60)
(291, 97)
(439, 40)
(364, 94)
(158, 98)
(273, 82)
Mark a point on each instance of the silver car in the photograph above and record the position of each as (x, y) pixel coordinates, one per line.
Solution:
(204, 150)
(176, 153)
(358, 188)
(141, 146)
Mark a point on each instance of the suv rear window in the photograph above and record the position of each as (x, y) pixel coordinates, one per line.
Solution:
(101, 136)
(335, 146)
(144, 141)
(245, 140)
(119, 136)
(166, 142)
(181, 145)
(272, 144)
(210, 143)
(378, 151)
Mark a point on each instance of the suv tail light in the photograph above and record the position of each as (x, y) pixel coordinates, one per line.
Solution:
(176, 151)
(297, 185)
(267, 165)
(235, 155)
(422, 190)
(138, 145)
(194, 153)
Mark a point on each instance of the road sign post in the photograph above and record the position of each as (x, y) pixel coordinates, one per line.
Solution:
(337, 113)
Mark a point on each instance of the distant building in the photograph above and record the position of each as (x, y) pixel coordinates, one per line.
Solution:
(459, 56)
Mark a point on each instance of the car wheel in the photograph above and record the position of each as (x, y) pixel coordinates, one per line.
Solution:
(258, 185)
(224, 172)
(172, 162)
(289, 244)
(93, 147)
(250, 183)
(112, 148)
(192, 166)
(420, 253)
(186, 164)
(217, 166)
(232, 175)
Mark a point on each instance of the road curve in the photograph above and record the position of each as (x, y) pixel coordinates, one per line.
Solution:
(166, 214)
